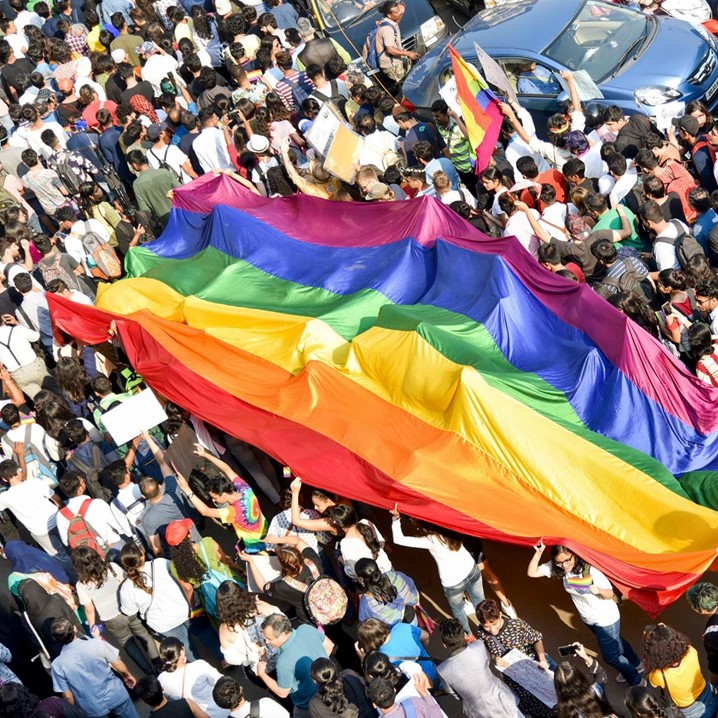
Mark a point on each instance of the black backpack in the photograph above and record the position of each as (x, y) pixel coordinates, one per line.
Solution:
(630, 281)
(335, 96)
(685, 244)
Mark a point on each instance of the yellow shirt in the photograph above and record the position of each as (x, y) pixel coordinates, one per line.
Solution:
(685, 681)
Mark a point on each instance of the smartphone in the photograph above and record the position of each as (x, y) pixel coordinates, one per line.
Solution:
(666, 308)
(567, 650)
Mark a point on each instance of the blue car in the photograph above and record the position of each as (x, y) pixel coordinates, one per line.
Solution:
(639, 61)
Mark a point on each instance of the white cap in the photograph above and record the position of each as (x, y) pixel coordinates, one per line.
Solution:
(118, 56)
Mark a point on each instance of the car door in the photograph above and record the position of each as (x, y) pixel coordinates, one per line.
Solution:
(538, 89)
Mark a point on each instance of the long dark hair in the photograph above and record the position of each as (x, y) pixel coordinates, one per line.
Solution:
(642, 703)
(89, 565)
(133, 559)
(202, 27)
(53, 415)
(663, 647)
(331, 688)
(448, 538)
(235, 606)
(374, 581)
(700, 339)
(186, 562)
(71, 377)
(263, 119)
(558, 571)
(343, 517)
(170, 652)
(576, 697)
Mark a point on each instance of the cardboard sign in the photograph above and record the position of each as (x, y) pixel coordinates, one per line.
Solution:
(324, 128)
(344, 153)
(129, 419)
(494, 75)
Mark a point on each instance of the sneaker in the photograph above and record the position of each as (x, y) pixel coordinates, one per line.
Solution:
(640, 667)
(620, 678)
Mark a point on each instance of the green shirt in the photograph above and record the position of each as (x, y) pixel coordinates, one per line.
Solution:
(612, 220)
(459, 147)
(151, 187)
(128, 43)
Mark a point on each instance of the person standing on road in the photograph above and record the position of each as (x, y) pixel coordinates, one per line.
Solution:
(394, 61)
(592, 594)
(703, 599)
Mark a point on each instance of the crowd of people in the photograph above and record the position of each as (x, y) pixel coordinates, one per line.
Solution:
(117, 585)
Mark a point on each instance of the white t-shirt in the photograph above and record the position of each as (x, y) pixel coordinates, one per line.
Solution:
(33, 138)
(454, 566)
(664, 252)
(268, 708)
(595, 166)
(594, 611)
(105, 598)
(194, 681)
(353, 549)
(554, 215)
(211, 150)
(459, 195)
(73, 241)
(131, 498)
(622, 186)
(18, 45)
(170, 155)
(156, 69)
(169, 608)
(30, 502)
(15, 347)
(519, 226)
(109, 529)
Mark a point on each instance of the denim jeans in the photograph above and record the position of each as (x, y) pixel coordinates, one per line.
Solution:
(705, 705)
(617, 652)
(126, 709)
(181, 633)
(473, 585)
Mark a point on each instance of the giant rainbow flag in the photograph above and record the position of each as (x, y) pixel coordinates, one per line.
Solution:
(390, 352)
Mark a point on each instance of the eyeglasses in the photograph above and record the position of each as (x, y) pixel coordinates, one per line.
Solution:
(565, 562)
(702, 300)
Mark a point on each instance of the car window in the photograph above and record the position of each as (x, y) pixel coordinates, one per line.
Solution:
(337, 13)
(599, 39)
(529, 77)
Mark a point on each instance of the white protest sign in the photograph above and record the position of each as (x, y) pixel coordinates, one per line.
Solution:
(586, 87)
(321, 134)
(268, 566)
(528, 674)
(494, 75)
(450, 95)
(666, 113)
(129, 419)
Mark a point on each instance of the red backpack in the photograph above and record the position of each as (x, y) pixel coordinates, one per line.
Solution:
(79, 532)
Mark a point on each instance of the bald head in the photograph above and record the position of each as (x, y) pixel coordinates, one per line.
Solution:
(65, 86)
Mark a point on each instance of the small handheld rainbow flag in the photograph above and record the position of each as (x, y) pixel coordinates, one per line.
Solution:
(579, 584)
(479, 108)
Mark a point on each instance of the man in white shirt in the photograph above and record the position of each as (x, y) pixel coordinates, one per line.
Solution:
(74, 230)
(17, 42)
(34, 504)
(42, 449)
(111, 531)
(16, 353)
(625, 177)
(209, 146)
(379, 146)
(34, 312)
(158, 65)
(664, 249)
(516, 146)
(229, 695)
(707, 301)
(128, 502)
(164, 154)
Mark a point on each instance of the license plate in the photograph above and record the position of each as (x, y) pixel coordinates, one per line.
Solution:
(712, 90)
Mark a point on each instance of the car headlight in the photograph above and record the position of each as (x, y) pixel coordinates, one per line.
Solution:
(431, 29)
(655, 95)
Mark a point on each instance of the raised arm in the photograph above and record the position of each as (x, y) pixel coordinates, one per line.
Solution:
(533, 569)
(538, 230)
(572, 91)
(157, 453)
(296, 511)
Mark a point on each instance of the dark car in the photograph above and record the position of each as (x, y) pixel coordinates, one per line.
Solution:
(638, 61)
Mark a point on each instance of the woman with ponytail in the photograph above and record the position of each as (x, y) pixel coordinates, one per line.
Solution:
(389, 596)
(190, 681)
(151, 592)
(339, 695)
(458, 571)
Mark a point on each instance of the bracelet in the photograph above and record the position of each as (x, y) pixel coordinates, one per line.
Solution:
(190, 495)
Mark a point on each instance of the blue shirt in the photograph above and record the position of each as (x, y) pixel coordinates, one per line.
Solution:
(404, 644)
(285, 15)
(444, 165)
(538, 82)
(110, 7)
(294, 664)
(83, 667)
(701, 229)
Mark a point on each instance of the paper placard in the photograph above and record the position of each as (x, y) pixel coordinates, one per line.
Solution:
(180, 453)
(268, 566)
(322, 131)
(450, 95)
(529, 675)
(665, 113)
(129, 419)
(343, 154)
(494, 75)
(586, 87)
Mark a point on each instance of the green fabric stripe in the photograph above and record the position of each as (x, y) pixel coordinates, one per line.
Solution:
(215, 277)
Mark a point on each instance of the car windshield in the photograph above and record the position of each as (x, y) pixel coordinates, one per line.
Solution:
(599, 39)
(337, 13)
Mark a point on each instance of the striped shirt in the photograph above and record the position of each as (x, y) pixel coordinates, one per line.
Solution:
(285, 88)
(459, 147)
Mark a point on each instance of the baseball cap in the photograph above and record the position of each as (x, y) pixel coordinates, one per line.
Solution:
(154, 131)
(118, 55)
(177, 531)
(687, 124)
(378, 191)
(223, 7)
(304, 27)
(258, 144)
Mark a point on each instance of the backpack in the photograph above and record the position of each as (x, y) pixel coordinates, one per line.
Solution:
(92, 473)
(55, 270)
(370, 52)
(325, 601)
(685, 244)
(7, 201)
(68, 177)
(163, 164)
(101, 258)
(79, 532)
(630, 281)
(45, 470)
(335, 97)
(211, 581)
